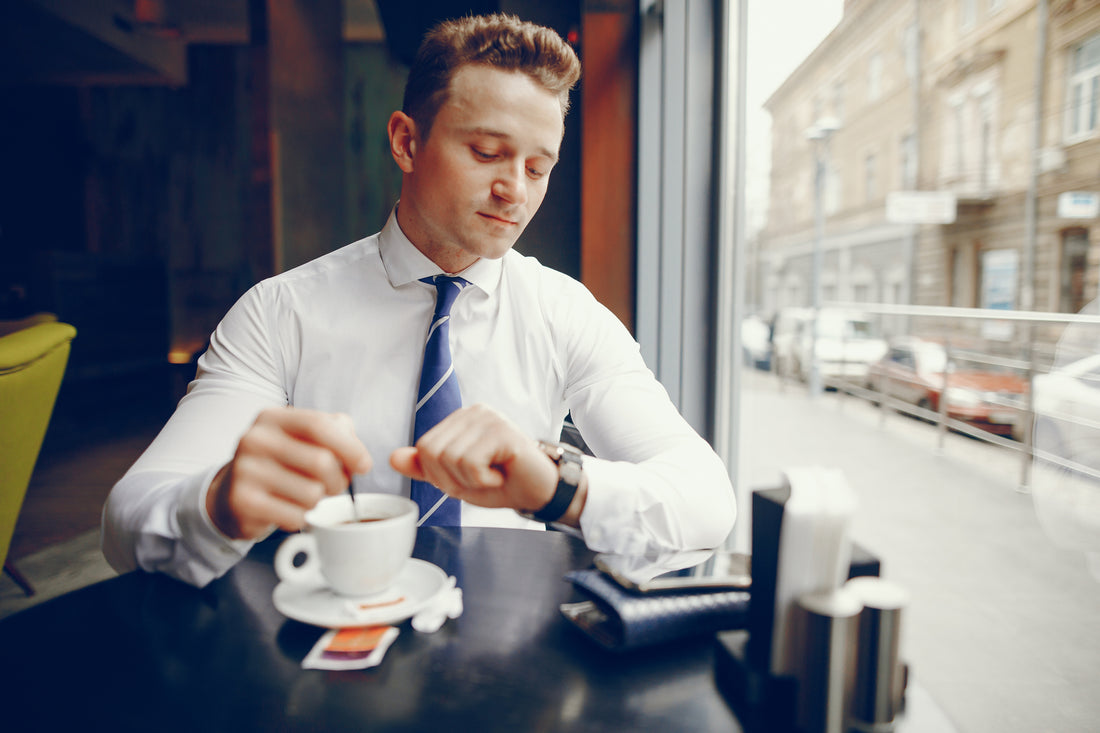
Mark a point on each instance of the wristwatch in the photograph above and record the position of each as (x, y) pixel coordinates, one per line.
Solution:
(569, 462)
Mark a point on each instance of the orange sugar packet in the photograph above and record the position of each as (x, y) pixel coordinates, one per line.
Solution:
(361, 639)
(357, 647)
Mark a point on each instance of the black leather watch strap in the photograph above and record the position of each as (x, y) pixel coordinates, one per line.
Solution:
(568, 460)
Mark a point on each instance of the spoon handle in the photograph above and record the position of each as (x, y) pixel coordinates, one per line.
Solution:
(354, 508)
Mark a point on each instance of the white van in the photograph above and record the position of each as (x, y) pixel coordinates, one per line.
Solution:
(848, 342)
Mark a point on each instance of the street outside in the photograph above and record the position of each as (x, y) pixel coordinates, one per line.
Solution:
(1002, 628)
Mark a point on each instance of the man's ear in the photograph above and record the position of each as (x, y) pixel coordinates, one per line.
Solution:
(403, 140)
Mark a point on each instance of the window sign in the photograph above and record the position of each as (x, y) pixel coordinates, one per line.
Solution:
(999, 268)
(1079, 205)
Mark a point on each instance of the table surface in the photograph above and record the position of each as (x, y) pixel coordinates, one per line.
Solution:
(145, 652)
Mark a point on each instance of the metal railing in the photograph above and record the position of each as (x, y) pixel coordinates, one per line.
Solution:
(1020, 343)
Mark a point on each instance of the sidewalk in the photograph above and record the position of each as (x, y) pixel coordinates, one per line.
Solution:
(1003, 627)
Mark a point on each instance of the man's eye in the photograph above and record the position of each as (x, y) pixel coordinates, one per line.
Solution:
(535, 173)
(482, 155)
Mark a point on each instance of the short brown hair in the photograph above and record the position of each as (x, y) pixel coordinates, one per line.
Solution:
(498, 40)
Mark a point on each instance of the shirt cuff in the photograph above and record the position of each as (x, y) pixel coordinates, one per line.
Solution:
(198, 532)
(612, 509)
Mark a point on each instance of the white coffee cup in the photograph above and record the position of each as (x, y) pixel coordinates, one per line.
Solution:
(357, 554)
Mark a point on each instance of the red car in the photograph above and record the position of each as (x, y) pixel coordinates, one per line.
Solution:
(913, 371)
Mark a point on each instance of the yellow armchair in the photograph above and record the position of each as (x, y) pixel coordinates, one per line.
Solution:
(32, 363)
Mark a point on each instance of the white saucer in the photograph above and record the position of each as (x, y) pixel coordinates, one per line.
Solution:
(312, 603)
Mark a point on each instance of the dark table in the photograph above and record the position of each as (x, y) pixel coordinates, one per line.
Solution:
(145, 652)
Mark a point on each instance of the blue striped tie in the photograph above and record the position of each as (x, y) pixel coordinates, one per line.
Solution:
(438, 395)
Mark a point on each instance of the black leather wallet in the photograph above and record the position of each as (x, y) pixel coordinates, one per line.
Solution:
(617, 619)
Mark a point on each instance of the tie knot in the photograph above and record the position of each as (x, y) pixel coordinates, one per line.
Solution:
(447, 288)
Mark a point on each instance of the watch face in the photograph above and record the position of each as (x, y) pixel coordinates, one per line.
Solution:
(570, 472)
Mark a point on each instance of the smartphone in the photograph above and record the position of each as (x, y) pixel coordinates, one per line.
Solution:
(701, 570)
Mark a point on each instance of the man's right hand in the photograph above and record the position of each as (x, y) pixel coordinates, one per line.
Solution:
(285, 463)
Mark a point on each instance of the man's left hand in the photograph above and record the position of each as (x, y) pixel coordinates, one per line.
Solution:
(478, 456)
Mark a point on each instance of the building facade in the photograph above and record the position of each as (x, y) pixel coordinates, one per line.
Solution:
(955, 145)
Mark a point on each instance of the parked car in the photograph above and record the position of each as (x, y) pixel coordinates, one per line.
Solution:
(913, 371)
(756, 342)
(847, 344)
(1066, 401)
(1065, 476)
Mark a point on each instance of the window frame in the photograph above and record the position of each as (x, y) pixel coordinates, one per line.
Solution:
(1082, 120)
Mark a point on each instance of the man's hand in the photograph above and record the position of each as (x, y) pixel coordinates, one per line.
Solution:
(285, 463)
(477, 456)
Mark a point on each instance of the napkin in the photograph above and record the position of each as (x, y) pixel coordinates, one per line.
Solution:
(815, 550)
(447, 603)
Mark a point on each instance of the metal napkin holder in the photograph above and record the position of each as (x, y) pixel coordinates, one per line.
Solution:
(761, 700)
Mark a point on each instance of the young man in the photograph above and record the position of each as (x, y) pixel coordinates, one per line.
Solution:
(312, 377)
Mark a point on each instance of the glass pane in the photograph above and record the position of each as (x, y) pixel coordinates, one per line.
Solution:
(1094, 100)
(959, 511)
(1087, 56)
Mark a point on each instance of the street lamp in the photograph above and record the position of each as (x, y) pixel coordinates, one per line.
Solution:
(819, 136)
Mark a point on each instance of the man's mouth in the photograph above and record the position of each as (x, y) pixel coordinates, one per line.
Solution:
(497, 218)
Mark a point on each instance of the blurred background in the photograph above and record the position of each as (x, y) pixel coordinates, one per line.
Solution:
(849, 232)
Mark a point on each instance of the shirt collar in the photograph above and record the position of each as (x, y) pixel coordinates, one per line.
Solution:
(404, 263)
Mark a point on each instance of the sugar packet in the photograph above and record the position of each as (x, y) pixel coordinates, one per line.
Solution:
(354, 648)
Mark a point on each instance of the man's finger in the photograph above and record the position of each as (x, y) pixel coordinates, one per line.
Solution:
(406, 461)
(271, 443)
(336, 432)
(257, 475)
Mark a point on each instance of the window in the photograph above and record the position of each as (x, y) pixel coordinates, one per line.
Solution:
(1084, 89)
(874, 77)
(912, 51)
(962, 277)
(904, 356)
(985, 140)
(838, 101)
(971, 161)
(1075, 250)
(894, 292)
(870, 177)
(1000, 270)
(958, 138)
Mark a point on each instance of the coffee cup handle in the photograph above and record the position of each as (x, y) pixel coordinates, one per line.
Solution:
(292, 546)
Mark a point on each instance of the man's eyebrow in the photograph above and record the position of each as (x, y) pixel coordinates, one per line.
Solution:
(490, 132)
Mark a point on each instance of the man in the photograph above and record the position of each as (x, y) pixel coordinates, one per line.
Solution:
(313, 375)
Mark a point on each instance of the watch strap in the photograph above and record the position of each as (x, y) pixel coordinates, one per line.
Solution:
(568, 481)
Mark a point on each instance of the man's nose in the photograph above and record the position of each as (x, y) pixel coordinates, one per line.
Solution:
(511, 184)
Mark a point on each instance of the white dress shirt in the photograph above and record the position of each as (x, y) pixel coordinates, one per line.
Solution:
(345, 333)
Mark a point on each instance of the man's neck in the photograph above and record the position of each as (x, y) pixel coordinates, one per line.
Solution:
(452, 260)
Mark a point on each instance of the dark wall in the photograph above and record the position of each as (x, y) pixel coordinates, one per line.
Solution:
(139, 183)
(43, 149)
(102, 185)
(554, 235)
(375, 83)
(376, 79)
